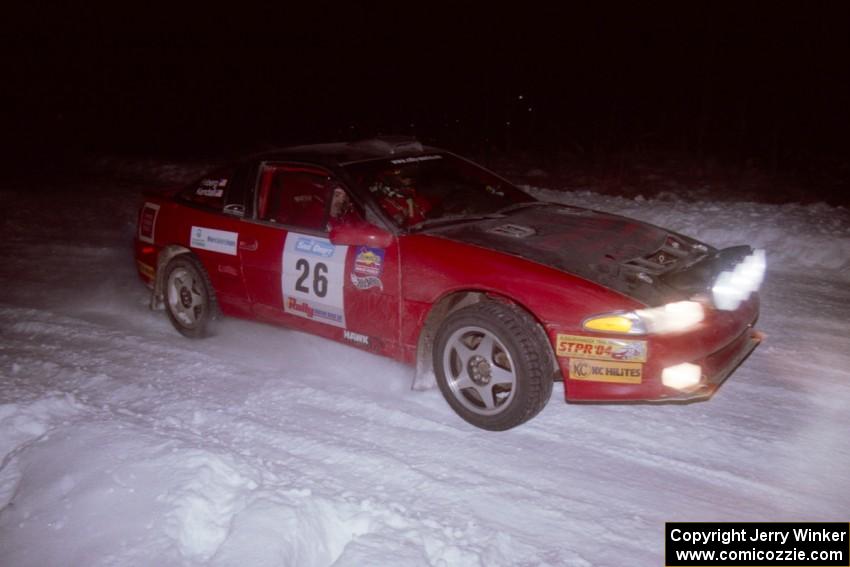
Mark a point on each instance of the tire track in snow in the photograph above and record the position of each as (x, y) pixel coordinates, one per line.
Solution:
(151, 413)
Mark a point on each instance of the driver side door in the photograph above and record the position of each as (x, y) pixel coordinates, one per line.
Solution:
(295, 274)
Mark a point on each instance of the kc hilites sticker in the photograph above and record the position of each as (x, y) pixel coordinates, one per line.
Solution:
(213, 240)
(312, 279)
(619, 350)
(147, 222)
(603, 371)
(368, 267)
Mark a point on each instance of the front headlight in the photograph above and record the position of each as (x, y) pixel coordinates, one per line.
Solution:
(625, 323)
(670, 318)
(735, 286)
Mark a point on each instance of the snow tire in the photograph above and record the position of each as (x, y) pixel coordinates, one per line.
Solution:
(493, 365)
(189, 297)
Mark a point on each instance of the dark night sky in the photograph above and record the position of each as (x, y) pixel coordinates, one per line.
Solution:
(737, 81)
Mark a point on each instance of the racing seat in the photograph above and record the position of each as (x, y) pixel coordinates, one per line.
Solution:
(297, 198)
(306, 210)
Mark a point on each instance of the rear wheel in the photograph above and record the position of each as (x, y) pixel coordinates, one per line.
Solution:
(189, 298)
(493, 365)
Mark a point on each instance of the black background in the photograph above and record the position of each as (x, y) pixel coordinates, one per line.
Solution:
(755, 83)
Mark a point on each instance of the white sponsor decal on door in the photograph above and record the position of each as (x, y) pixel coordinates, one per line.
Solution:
(312, 280)
(214, 240)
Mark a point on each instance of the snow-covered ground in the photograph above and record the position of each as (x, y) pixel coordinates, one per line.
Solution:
(123, 443)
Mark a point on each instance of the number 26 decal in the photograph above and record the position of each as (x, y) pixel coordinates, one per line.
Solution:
(312, 278)
(320, 280)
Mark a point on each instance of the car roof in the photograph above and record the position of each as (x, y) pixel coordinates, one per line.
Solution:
(344, 153)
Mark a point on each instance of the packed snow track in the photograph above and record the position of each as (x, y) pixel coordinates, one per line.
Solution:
(123, 443)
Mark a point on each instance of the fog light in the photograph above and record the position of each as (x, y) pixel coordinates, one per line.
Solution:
(681, 376)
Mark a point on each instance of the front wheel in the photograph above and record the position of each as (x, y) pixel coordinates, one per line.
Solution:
(493, 365)
(189, 299)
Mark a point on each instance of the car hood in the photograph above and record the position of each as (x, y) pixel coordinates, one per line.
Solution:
(642, 261)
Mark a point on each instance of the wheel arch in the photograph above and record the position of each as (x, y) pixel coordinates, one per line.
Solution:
(442, 308)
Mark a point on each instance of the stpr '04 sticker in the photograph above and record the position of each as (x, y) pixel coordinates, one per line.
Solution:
(368, 267)
(604, 371)
(619, 350)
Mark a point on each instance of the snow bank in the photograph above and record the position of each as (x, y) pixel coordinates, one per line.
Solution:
(23, 424)
(125, 494)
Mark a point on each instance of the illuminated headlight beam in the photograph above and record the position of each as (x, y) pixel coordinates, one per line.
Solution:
(733, 287)
(672, 317)
(669, 318)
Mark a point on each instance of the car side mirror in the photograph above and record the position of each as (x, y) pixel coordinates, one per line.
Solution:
(359, 233)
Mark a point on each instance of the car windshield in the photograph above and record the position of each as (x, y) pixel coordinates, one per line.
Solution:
(427, 190)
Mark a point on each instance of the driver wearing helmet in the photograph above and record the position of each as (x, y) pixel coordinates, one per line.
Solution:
(398, 198)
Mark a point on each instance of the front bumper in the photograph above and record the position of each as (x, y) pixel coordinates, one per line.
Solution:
(717, 367)
(718, 347)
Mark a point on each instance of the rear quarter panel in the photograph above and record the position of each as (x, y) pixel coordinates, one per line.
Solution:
(173, 226)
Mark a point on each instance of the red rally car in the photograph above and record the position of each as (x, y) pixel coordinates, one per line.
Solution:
(414, 253)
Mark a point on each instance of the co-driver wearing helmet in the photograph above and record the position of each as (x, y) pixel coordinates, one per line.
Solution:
(397, 196)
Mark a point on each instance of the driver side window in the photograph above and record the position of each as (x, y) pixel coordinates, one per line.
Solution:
(295, 196)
